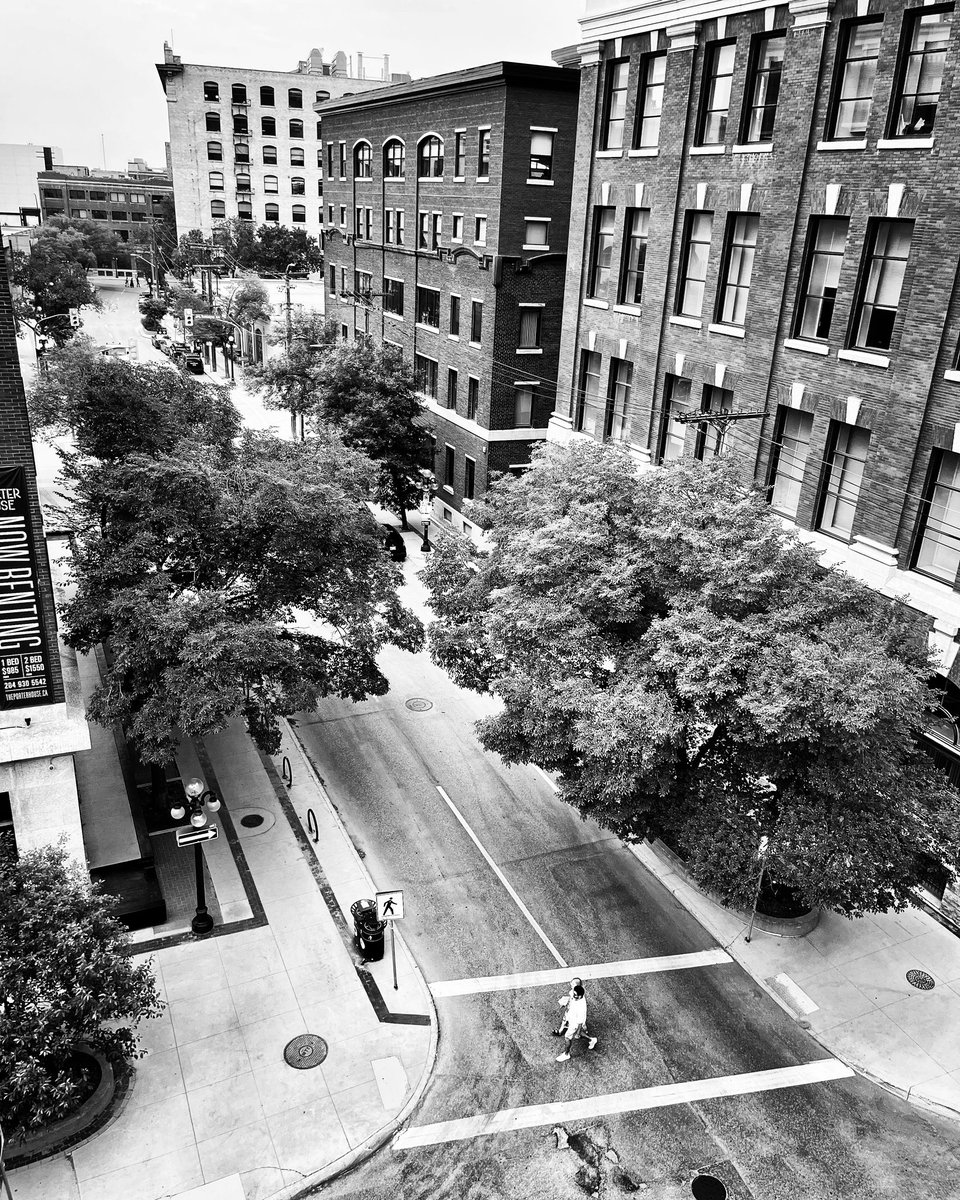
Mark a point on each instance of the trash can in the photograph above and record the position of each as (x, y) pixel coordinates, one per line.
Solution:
(367, 930)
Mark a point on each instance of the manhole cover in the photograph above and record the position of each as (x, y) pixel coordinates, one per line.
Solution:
(418, 704)
(707, 1187)
(921, 980)
(305, 1051)
(251, 821)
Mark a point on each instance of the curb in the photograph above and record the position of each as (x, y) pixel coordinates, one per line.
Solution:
(381, 1136)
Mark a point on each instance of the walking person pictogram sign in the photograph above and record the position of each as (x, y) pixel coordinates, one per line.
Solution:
(390, 908)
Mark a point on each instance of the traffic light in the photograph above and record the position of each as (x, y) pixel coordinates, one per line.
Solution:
(74, 314)
(188, 318)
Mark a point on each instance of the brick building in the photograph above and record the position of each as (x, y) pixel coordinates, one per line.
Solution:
(244, 142)
(445, 234)
(766, 219)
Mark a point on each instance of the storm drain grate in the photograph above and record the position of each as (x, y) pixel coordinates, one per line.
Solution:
(305, 1051)
(707, 1187)
(251, 821)
(921, 980)
(419, 704)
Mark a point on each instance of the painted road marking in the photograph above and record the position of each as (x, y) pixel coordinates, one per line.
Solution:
(609, 970)
(503, 879)
(510, 1119)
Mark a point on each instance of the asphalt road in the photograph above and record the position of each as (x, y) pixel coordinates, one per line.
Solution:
(594, 903)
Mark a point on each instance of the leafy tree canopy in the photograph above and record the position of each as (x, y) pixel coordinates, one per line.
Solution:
(288, 380)
(665, 646)
(240, 246)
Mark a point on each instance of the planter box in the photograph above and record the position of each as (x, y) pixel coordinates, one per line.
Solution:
(787, 926)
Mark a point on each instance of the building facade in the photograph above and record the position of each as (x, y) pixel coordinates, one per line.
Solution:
(245, 143)
(447, 206)
(766, 221)
(19, 194)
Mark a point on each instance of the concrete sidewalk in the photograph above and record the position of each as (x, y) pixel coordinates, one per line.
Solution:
(213, 1104)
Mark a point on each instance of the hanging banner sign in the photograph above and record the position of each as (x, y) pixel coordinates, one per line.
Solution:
(24, 652)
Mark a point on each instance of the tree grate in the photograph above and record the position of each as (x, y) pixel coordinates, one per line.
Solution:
(921, 980)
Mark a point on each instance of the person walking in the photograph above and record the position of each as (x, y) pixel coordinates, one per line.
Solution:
(574, 1024)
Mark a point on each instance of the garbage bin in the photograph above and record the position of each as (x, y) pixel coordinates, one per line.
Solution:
(367, 930)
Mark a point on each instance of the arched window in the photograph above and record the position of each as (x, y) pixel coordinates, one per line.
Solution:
(430, 158)
(240, 124)
(298, 186)
(269, 155)
(215, 151)
(245, 210)
(271, 185)
(295, 98)
(243, 183)
(216, 181)
(211, 90)
(218, 208)
(296, 129)
(241, 152)
(266, 97)
(300, 213)
(394, 159)
(296, 156)
(362, 161)
(238, 93)
(213, 122)
(268, 126)
(271, 212)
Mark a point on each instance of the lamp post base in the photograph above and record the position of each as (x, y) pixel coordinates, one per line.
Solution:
(202, 922)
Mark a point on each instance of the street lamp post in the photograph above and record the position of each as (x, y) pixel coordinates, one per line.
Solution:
(426, 512)
(769, 791)
(199, 799)
(228, 348)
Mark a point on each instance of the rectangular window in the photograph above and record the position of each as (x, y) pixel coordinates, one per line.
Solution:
(618, 400)
(394, 226)
(938, 547)
(738, 255)
(451, 388)
(587, 404)
(459, 155)
(393, 296)
(342, 160)
(823, 259)
(358, 222)
(455, 316)
(676, 400)
(633, 260)
(923, 53)
(428, 307)
(844, 466)
(480, 231)
(330, 159)
(483, 154)
(425, 371)
(469, 479)
(436, 229)
(536, 233)
(423, 230)
(791, 445)
(362, 284)
(854, 78)
(710, 438)
(473, 397)
(117, 215)
(333, 280)
(449, 465)
(694, 255)
(763, 88)
(541, 154)
(653, 72)
(456, 227)
(881, 282)
(531, 326)
(523, 408)
(389, 226)
(476, 321)
(614, 104)
(601, 249)
(715, 93)
(343, 215)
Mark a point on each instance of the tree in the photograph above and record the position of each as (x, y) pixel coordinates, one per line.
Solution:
(67, 980)
(369, 395)
(152, 310)
(288, 380)
(667, 647)
(277, 247)
(194, 553)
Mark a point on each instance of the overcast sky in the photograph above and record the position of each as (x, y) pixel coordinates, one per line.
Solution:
(76, 69)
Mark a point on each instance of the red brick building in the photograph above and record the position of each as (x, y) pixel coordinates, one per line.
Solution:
(445, 234)
(766, 220)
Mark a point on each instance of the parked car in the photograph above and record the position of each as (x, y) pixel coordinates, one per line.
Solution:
(193, 363)
(116, 352)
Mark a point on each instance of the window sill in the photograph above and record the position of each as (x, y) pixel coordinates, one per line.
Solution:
(394, 179)
(753, 148)
(953, 376)
(708, 149)
(629, 310)
(608, 154)
(851, 145)
(482, 179)
(862, 356)
(459, 179)
(429, 328)
(905, 143)
(356, 178)
(541, 182)
(733, 331)
(539, 350)
(475, 345)
(393, 316)
(527, 246)
(453, 337)
(447, 488)
(457, 241)
(589, 302)
(806, 347)
(688, 322)
(482, 245)
(644, 152)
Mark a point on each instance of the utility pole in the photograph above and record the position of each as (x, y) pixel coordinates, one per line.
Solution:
(289, 342)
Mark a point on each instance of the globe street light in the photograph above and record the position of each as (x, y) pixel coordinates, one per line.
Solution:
(199, 802)
(426, 512)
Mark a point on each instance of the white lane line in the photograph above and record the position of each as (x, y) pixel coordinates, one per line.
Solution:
(609, 970)
(503, 879)
(510, 1119)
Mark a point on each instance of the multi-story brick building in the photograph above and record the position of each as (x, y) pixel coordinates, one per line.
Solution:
(447, 209)
(244, 143)
(766, 219)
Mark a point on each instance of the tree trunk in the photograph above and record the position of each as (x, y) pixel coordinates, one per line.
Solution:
(293, 424)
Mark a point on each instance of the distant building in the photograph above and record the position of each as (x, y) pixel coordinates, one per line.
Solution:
(19, 167)
(244, 143)
(447, 208)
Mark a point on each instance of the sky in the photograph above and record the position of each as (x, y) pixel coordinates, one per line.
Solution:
(78, 70)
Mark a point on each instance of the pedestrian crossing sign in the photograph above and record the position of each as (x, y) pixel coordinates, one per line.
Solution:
(389, 906)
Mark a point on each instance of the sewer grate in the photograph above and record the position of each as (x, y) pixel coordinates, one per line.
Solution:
(707, 1187)
(921, 980)
(251, 821)
(305, 1051)
(419, 704)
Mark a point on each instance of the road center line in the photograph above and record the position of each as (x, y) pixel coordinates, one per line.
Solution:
(503, 879)
(609, 970)
(641, 1099)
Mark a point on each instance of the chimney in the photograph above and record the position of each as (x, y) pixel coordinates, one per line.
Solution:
(359, 64)
(386, 67)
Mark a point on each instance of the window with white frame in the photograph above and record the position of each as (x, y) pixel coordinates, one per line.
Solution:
(694, 255)
(476, 321)
(425, 372)
(791, 448)
(882, 273)
(430, 158)
(634, 257)
(428, 307)
(536, 233)
(676, 400)
(937, 550)
(393, 296)
(523, 406)
(845, 462)
(456, 227)
(617, 411)
(541, 154)
(480, 231)
(653, 73)
(531, 327)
